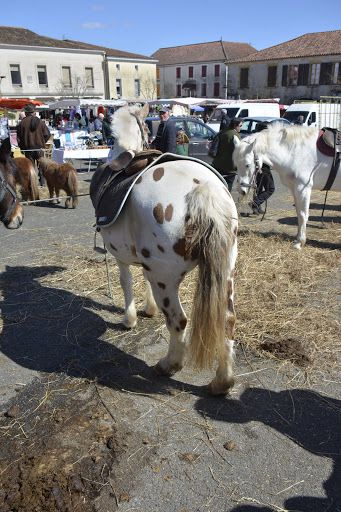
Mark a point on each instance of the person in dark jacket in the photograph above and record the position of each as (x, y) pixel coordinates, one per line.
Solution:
(165, 139)
(225, 120)
(32, 135)
(107, 135)
(223, 161)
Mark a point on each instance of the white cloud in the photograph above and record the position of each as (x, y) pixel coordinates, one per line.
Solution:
(93, 25)
(97, 7)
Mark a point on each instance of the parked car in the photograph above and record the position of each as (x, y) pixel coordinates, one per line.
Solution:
(250, 124)
(198, 133)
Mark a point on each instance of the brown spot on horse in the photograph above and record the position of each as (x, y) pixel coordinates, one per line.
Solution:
(166, 302)
(145, 252)
(169, 213)
(145, 266)
(158, 213)
(161, 285)
(160, 248)
(60, 177)
(158, 173)
(196, 181)
(180, 247)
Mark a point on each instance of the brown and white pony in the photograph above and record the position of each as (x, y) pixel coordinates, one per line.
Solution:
(26, 178)
(60, 177)
(179, 215)
(11, 211)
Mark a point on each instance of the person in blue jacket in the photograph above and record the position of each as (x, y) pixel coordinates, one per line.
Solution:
(165, 139)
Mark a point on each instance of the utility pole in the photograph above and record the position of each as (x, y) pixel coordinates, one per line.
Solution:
(226, 66)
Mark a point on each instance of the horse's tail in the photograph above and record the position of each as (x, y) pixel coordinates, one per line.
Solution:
(73, 186)
(33, 183)
(211, 230)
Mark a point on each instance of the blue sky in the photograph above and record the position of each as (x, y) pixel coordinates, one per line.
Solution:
(144, 26)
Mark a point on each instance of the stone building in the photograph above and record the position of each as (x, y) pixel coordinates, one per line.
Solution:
(306, 67)
(200, 70)
(40, 67)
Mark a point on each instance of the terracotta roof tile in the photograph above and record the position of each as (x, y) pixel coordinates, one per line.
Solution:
(24, 37)
(202, 52)
(308, 45)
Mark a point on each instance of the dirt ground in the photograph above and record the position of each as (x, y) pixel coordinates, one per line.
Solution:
(86, 425)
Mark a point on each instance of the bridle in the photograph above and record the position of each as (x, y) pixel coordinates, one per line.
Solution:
(143, 135)
(5, 188)
(253, 180)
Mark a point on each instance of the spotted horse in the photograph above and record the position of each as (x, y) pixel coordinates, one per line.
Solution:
(177, 215)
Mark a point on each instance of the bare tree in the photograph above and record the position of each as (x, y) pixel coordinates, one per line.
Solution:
(77, 89)
(148, 87)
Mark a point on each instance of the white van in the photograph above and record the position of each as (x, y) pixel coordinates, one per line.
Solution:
(317, 113)
(246, 108)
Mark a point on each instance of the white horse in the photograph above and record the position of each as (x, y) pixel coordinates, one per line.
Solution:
(292, 152)
(178, 215)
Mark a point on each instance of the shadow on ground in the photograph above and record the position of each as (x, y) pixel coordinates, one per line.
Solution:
(308, 418)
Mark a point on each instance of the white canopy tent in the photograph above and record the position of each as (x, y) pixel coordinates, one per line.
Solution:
(85, 103)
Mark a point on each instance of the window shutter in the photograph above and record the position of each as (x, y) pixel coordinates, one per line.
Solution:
(303, 74)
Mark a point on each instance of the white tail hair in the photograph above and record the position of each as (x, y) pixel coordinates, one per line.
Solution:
(210, 239)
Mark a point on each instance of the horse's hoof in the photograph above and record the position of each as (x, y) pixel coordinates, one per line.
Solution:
(221, 388)
(166, 372)
(297, 246)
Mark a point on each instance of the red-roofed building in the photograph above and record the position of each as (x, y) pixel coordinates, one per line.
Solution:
(197, 69)
(306, 67)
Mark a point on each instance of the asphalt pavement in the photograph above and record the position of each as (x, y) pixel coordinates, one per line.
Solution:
(272, 445)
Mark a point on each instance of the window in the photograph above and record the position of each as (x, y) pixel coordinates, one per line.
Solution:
(303, 74)
(337, 73)
(198, 130)
(136, 67)
(244, 78)
(292, 74)
(178, 72)
(315, 74)
(137, 88)
(66, 76)
(203, 71)
(178, 90)
(118, 67)
(89, 77)
(216, 89)
(118, 88)
(217, 70)
(190, 72)
(272, 76)
(42, 75)
(15, 74)
(203, 90)
(326, 73)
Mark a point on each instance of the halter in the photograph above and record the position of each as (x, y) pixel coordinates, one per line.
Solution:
(144, 140)
(257, 170)
(5, 188)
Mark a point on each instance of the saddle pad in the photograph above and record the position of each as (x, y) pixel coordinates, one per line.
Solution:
(109, 190)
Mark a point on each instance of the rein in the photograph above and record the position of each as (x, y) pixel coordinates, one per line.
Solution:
(5, 188)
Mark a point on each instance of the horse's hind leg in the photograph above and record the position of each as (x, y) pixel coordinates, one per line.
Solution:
(302, 202)
(167, 298)
(150, 307)
(126, 281)
(224, 380)
(57, 194)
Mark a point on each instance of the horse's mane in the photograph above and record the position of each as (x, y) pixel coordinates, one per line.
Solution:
(288, 136)
(121, 125)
